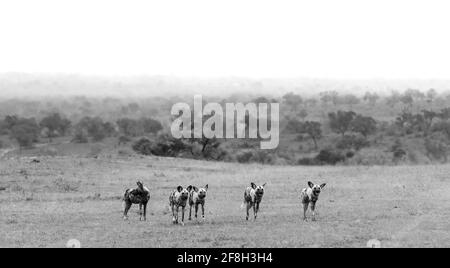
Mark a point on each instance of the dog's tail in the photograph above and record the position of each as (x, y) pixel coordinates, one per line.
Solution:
(243, 205)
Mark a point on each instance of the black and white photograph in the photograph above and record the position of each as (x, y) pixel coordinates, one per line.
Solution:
(235, 126)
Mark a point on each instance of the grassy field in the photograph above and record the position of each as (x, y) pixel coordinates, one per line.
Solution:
(45, 204)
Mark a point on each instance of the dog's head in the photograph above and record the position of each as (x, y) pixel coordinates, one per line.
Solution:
(184, 193)
(316, 188)
(202, 192)
(259, 190)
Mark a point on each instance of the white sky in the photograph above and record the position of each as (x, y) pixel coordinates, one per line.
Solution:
(314, 38)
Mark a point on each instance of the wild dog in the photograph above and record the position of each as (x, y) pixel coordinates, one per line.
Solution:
(178, 198)
(310, 195)
(139, 195)
(197, 197)
(252, 197)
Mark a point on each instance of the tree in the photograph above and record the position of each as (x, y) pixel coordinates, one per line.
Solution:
(371, 98)
(340, 121)
(444, 127)
(25, 132)
(292, 100)
(329, 96)
(312, 102)
(312, 129)
(95, 128)
(428, 117)
(134, 128)
(350, 99)
(393, 99)
(365, 125)
(150, 125)
(407, 100)
(303, 114)
(55, 125)
(431, 95)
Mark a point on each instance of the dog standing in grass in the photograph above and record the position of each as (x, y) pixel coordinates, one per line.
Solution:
(139, 195)
(309, 196)
(197, 197)
(252, 197)
(178, 198)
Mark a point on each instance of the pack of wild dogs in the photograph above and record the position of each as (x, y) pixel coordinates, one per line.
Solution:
(195, 197)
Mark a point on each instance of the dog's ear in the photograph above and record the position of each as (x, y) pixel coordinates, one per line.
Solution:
(264, 185)
(189, 188)
(206, 187)
(310, 184)
(139, 184)
(253, 185)
(195, 188)
(322, 185)
(179, 188)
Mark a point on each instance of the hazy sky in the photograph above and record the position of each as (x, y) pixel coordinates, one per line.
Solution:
(320, 38)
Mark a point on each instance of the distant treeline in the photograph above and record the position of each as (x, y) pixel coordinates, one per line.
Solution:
(331, 128)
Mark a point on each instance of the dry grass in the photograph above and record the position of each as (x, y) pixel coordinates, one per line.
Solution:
(67, 197)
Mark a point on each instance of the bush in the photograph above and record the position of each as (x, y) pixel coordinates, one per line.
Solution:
(398, 152)
(355, 142)
(25, 132)
(244, 157)
(307, 161)
(329, 157)
(325, 157)
(164, 146)
(80, 136)
(93, 127)
(124, 140)
(436, 150)
(263, 157)
(143, 146)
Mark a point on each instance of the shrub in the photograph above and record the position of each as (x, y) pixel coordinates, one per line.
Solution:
(263, 157)
(307, 161)
(355, 142)
(164, 146)
(25, 132)
(124, 140)
(80, 136)
(329, 157)
(436, 150)
(244, 157)
(143, 146)
(398, 152)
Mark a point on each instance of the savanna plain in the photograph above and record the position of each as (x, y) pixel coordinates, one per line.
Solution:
(46, 204)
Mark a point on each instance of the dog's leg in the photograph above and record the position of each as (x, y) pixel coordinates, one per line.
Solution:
(196, 210)
(182, 215)
(203, 210)
(249, 205)
(190, 211)
(145, 211)
(254, 210)
(126, 208)
(140, 211)
(313, 207)
(305, 208)
(173, 214)
(176, 214)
